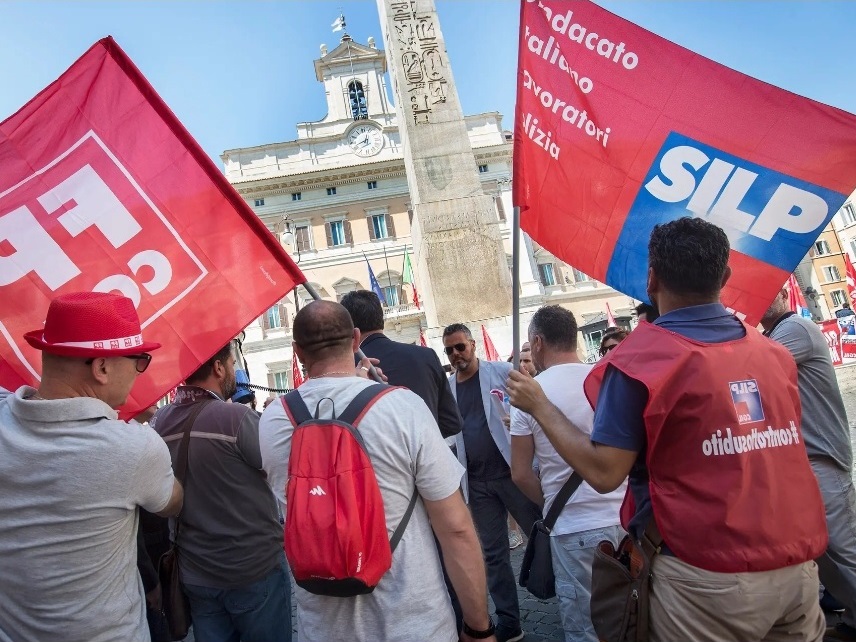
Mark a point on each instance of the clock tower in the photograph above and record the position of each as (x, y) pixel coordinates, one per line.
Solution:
(358, 104)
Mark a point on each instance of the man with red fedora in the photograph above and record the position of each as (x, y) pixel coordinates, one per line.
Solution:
(73, 476)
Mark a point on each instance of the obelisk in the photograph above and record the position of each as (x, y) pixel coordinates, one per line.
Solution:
(460, 260)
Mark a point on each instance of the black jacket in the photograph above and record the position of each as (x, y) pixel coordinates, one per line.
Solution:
(418, 369)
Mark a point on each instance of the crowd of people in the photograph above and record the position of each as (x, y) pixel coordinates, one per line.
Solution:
(726, 450)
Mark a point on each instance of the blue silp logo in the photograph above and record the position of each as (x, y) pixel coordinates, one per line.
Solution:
(747, 401)
(769, 216)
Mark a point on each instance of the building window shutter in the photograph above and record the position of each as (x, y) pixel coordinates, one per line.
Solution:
(283, 316)
(370, 221)
(349, 238)
(270, 380)
(329, 234)
(500, 208)
(390, 226)
(265, 324)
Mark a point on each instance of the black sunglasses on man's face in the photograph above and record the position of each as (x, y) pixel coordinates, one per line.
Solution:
(460, 347)
(143, 360)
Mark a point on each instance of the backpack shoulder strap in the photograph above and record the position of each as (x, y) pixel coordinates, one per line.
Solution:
(295, 408)
(399, 532)
(364, 400)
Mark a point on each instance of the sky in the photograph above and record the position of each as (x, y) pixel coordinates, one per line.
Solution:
(239, 74)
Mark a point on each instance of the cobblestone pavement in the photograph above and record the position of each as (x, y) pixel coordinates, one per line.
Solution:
(540, 618)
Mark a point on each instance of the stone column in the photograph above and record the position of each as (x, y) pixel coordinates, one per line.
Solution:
(458, 250)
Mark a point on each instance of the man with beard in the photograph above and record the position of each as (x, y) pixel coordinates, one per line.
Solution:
(483, 448)
(230, 557)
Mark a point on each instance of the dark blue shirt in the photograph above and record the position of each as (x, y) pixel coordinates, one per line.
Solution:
(618, 418)
(484, 461)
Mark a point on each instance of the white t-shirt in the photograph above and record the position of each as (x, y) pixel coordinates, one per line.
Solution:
(72, 476)
(404, 444)
(587, 509)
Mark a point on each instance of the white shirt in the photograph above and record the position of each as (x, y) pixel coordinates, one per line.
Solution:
(404, 444)
(587, 509)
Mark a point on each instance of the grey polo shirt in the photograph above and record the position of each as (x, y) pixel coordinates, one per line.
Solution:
(230, 535)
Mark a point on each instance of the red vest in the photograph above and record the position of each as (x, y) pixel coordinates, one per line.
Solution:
(731, 487)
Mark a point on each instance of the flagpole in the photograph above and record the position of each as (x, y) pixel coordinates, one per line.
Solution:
(386, 261)
(515, 286)
(360, 354)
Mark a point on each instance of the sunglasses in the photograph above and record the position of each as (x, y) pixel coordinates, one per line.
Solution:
(606, 349)
(143, 360)
(459, 347)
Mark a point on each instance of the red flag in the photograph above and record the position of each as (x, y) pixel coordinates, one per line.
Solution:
(490, 352)
(422, 339)
(102, 188)
(850, 275)
(296, 374)
(610, 320)
(796, 300)
(618, 129)
(832, 333)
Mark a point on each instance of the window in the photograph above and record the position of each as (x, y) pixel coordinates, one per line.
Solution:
(580, 277)
(274, 317)
(302, 238)
(482, 169)
(545, 271)
(500, 207)
(338, 233)
(853, 247)
(830, 273)
(331, 191)
(838, 297)
(296, 196)
(357, 100)
(379, 226)
(372, 184)
(260, 202)
(821, 247)
(390, 293)
(280, 381)
(848, 214)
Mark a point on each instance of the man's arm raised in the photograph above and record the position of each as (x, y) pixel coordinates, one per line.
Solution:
(462, 555)
(603, 467)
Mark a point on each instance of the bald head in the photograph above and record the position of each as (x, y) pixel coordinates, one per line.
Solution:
(323, 330)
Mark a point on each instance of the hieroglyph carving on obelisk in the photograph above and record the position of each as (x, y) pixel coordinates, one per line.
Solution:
(460, 260)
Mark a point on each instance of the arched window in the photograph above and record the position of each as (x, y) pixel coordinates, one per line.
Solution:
(357, 99)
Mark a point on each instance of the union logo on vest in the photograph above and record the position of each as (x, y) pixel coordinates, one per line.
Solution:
(768, 216)
(747, 401)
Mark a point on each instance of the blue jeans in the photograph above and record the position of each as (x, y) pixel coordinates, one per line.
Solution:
(573, 555)
(258, 612)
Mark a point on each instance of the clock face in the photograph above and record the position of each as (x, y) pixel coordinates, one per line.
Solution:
(365, 140)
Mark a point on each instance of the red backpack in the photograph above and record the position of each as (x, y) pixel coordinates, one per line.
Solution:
(335, 526)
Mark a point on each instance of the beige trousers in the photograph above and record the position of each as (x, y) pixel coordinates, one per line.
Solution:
(691, 604)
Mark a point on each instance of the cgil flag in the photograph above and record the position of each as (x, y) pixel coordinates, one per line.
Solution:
(610, 319)
(339, 23)
(296, 373)
(103, 189)
(407, 277)
(618, 129)
(375, 286)
(422, 338)
(490, 351)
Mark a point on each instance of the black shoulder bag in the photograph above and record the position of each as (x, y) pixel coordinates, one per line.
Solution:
(536, 570)
(175, 605)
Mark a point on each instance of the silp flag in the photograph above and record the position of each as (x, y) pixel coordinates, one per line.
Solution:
(618, 129)
(102, 189)
(796, 300)
(490, 351)
(850, 277)
(375, 286)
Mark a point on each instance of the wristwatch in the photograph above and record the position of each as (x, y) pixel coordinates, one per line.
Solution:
(479, 635)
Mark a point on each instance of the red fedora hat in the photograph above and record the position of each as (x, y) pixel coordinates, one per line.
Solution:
(91, 324)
